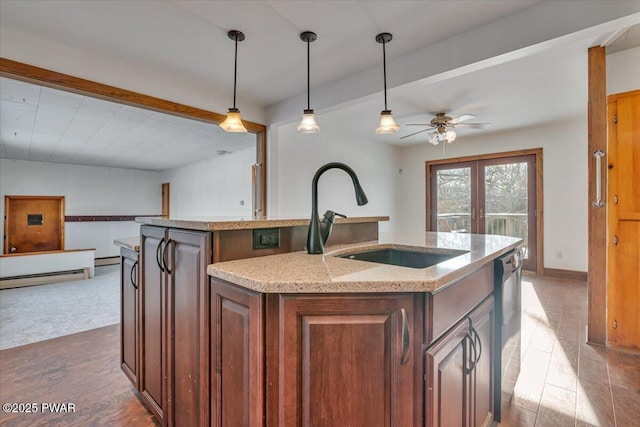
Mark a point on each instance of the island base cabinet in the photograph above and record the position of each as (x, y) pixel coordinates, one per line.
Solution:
(342, 360)
(129, 314)
(174, 331)
(458, 368)
(237, 356)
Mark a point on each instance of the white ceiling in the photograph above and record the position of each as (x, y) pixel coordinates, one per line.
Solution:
(188, 38)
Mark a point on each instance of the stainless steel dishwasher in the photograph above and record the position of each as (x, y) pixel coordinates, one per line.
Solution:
(508, 297)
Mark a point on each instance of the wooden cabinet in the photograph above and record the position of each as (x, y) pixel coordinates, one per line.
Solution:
(343, 359)
(174, 351)
(153, 321)
(459, 389)
(237, 356)
(129, 346)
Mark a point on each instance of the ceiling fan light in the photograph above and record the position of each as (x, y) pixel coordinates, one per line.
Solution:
(233, 122)
(387, 123)
(450, 135)
(434, 137)
(308, 123)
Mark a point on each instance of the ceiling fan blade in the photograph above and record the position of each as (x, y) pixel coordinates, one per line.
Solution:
(420, 124)
(415, 133)
(473, 125)
(461, 118)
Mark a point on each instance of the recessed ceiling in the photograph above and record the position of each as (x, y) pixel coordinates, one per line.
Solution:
(49, 125)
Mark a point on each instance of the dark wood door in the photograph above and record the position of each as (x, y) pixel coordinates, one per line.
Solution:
(482, 323)
(33, 224)
(187, 256)
(237, 356)
(129, 314)
(343, 360)
(447, 391)
(153, 321)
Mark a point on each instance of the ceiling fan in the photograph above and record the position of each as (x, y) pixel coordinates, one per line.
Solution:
(444, 125)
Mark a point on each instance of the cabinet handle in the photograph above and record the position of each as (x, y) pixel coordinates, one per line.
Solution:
(164, 256)
(469, 369)
(133, 280)
(158, 254)
(406, 339)
(477, 336)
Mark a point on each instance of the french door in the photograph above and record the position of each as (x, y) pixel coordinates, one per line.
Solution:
(486, 196)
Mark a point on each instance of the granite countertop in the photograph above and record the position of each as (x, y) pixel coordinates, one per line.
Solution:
(299, 272)
(132, 243)
(214, 223)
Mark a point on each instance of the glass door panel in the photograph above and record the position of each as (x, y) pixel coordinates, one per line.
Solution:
(455, 201)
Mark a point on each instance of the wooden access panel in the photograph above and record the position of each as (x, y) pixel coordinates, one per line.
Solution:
(33, 224)
(623, 250)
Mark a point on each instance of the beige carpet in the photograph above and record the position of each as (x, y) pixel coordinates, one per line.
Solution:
(38, 313)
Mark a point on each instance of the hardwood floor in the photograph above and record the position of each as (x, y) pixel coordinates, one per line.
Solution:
(564, 382)
(83, 369)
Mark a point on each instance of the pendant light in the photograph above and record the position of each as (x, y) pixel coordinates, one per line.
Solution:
(308, 123)
(233, 122)
(387, 124)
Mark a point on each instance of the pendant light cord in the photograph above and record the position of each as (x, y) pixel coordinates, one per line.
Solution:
(384, 71)
(308, 78)
(235, 72)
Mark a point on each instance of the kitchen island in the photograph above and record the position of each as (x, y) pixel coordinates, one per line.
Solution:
(165, 340)
(326, 340)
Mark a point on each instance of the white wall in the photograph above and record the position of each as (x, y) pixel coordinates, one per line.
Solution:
(623, 71)
(294, 159)
(88, 190)
(213, 187)
(564, 147)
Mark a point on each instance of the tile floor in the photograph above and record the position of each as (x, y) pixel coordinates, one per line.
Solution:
(564, 381)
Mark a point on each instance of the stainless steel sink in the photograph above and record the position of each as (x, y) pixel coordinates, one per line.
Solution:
(403, 257)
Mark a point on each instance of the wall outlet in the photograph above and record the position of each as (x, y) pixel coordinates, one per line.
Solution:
(559, 254)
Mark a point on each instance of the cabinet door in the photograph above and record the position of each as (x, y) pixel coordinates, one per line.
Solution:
(447, 383)
(482, 321)
(188, 254)
(237, 356)
(343, 360)
(153, 327)
(129, 314)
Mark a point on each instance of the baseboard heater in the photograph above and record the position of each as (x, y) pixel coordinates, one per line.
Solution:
(43, 278)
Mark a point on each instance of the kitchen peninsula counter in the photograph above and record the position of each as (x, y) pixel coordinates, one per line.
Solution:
(224, 223)
(299, 272)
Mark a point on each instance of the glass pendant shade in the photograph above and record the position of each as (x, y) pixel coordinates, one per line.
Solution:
(450, 135)
(434, 137)
(308, 123)
(233, 122)
(387, 124)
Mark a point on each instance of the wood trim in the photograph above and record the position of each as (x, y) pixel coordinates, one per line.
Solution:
(46, 252)
(616, 96)
(597, 217)
(539, 191)
(166, 199)
(102, 218)
(41, 76)
(566, 274)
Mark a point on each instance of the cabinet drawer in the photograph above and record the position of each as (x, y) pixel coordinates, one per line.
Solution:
(446, 307)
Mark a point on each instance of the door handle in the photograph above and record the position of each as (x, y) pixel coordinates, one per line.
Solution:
(406, 339)
(598, 202)
(481, 213)
(472, 365)
(158, 255)
(473, 213)
(133, 276)
(479, 342)
(12, 249)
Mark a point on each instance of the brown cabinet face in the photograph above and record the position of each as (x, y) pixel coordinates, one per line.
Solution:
(237, 356)
(459, 372)
(341, 360)
(129, 314)
(153, 318)
(186, 257)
